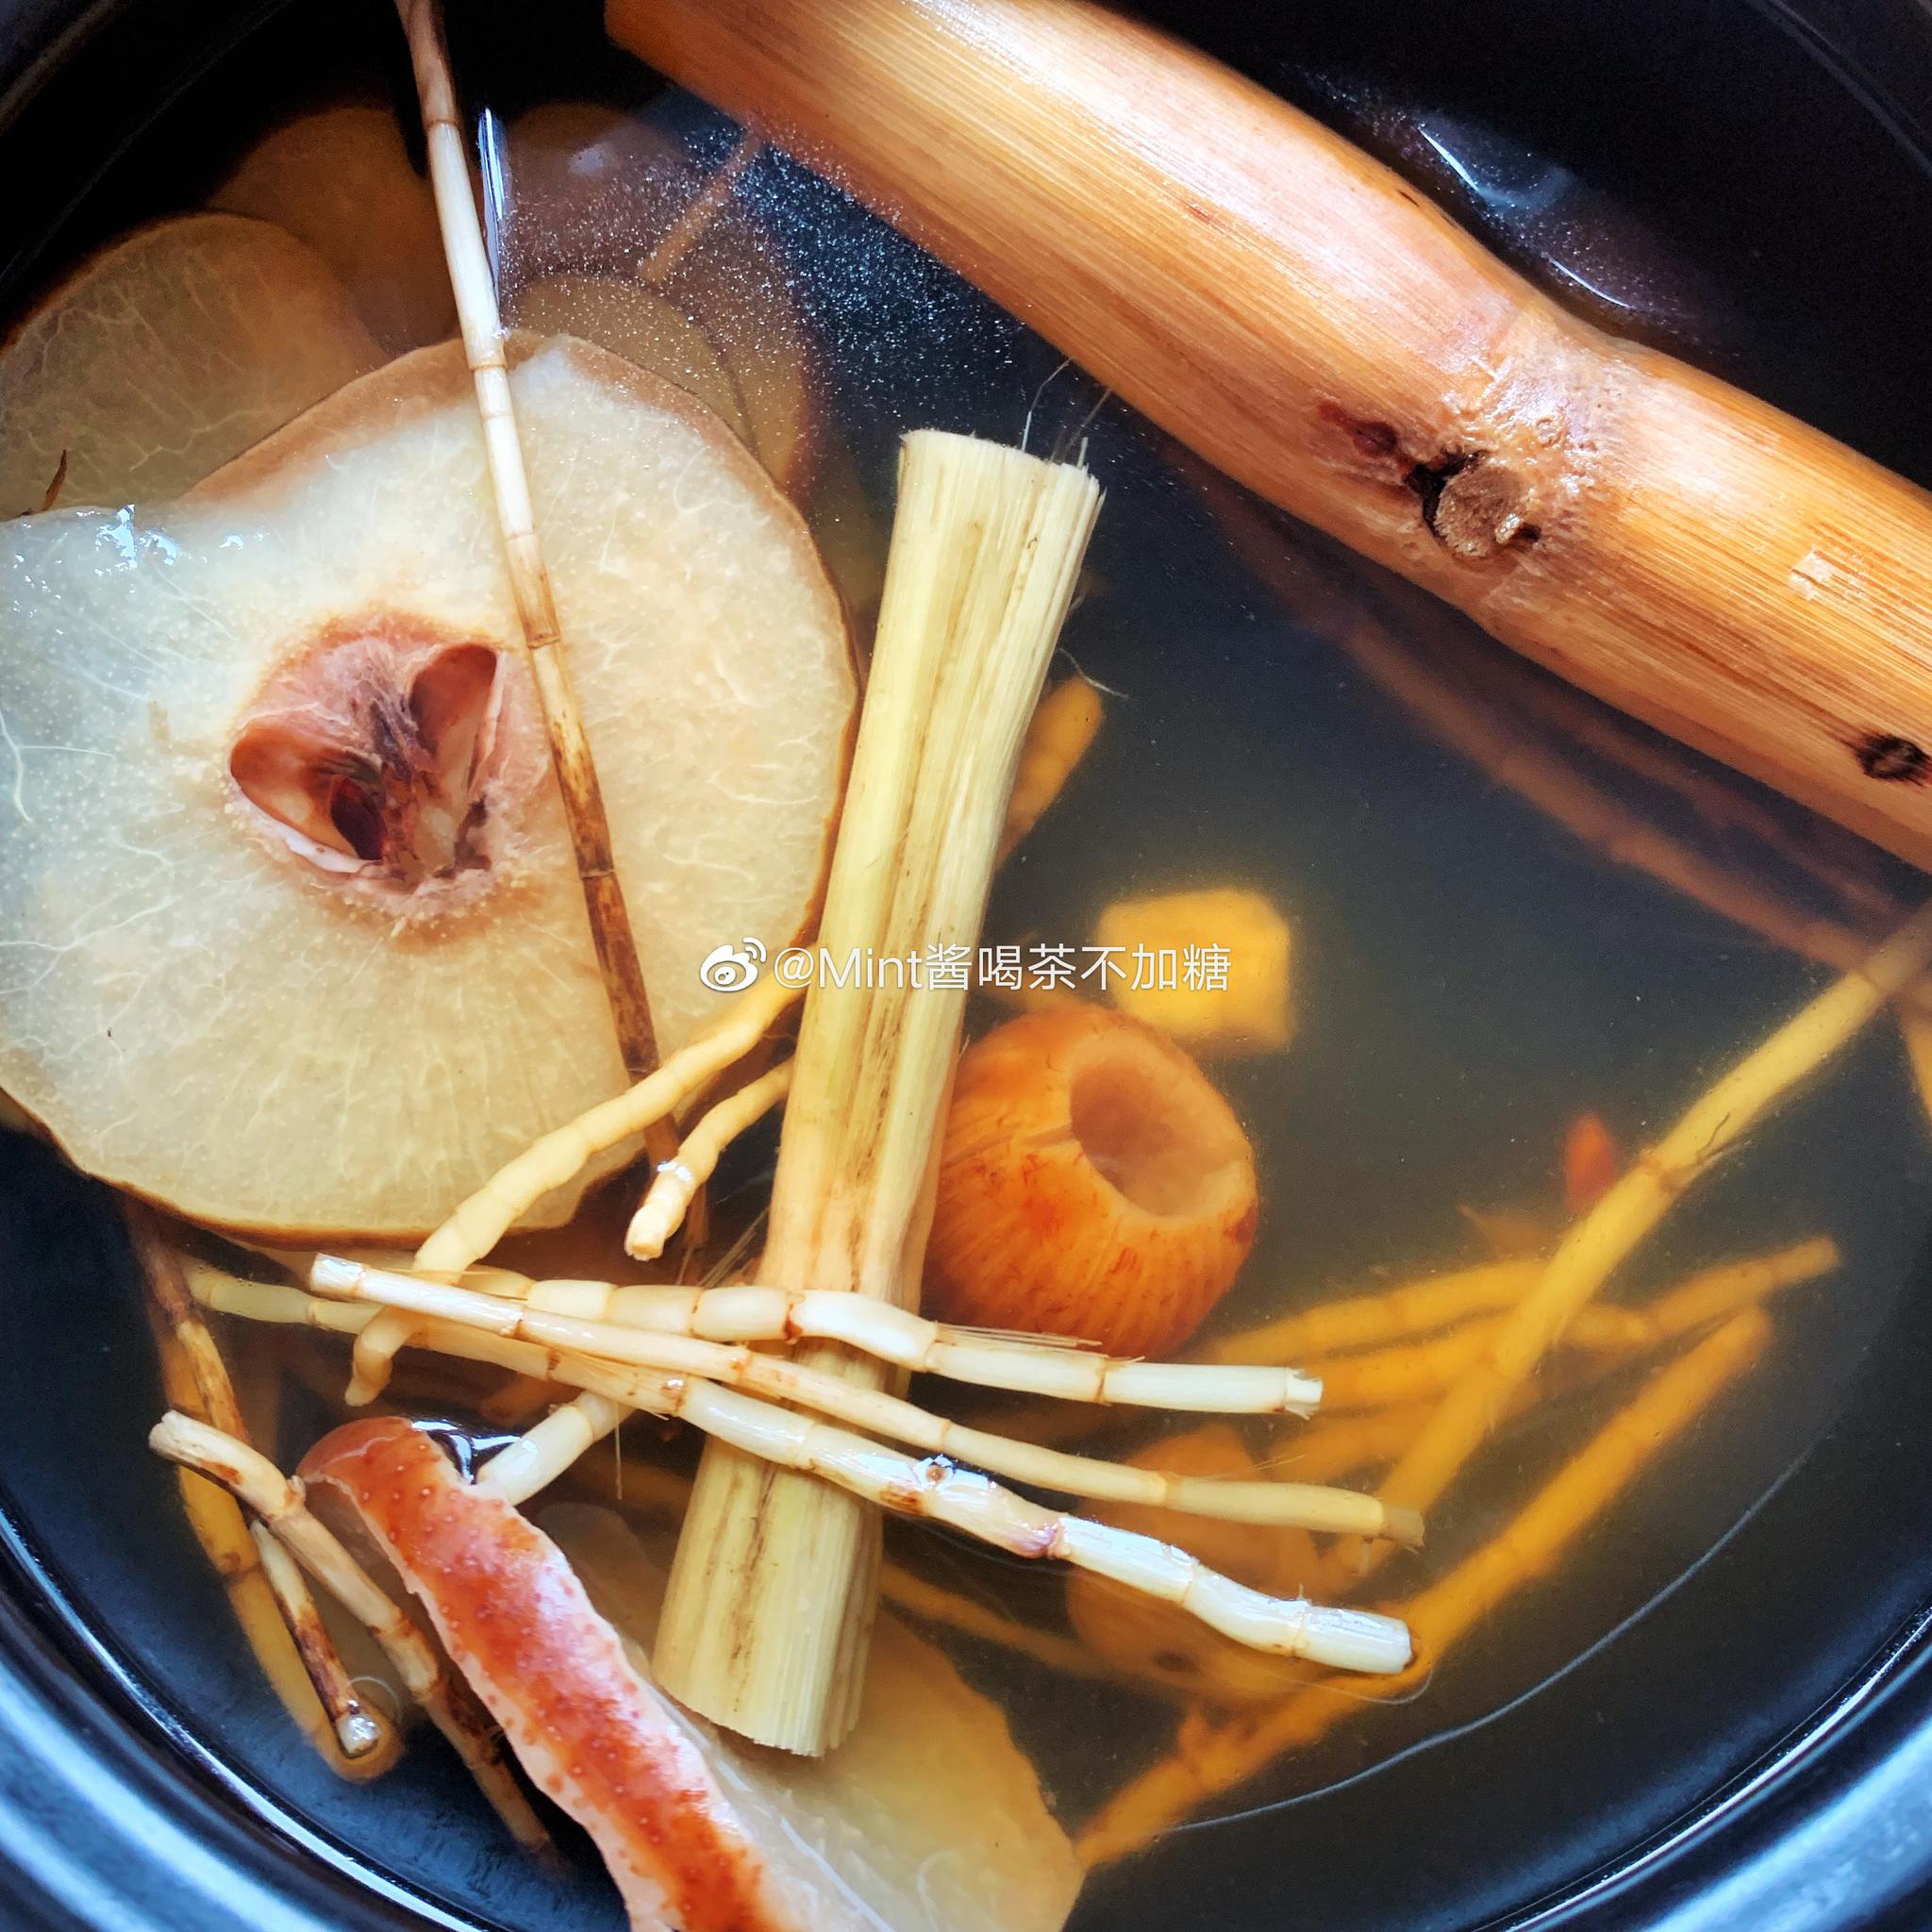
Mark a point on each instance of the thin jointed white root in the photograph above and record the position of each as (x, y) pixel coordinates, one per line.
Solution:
(257, 1484)
(930, 1488)
(677, 1183)
(575, 1347)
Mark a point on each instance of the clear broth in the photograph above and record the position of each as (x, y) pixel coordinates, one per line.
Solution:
(1468, 978)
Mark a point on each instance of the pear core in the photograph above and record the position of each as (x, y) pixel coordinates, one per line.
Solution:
(372, 754)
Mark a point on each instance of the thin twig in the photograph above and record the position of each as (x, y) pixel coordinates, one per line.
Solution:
(358, 1730)
(699, 213)
(258, 1483)
(570, 746)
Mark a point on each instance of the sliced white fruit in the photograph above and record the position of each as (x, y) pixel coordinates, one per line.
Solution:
(928, 1819)
(341, 180)
(591, 191)
(640, 324)
(290, 933)
(166, 354)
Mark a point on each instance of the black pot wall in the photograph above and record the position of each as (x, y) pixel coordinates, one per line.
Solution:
(1708, 116)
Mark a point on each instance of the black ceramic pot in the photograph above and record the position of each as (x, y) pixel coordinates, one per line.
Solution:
(1757, 1748)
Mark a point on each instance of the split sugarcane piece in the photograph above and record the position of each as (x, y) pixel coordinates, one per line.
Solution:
(575, 1347)
(475, 288)
(769, 1604)
(360, 1731)
(1601, 1242)
(255, 1482)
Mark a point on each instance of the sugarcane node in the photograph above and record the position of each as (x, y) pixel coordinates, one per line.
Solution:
(1887, 757)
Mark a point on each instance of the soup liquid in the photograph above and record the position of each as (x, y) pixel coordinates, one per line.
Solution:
(1469, 977)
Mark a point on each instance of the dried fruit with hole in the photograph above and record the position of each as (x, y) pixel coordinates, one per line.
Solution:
(1091, 1184)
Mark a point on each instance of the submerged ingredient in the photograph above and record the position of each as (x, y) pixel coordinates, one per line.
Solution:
(285, 824)
(1092, 1184)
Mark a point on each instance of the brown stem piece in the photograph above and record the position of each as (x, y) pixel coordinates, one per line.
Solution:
(1304, 319)
(358, 1730)
(570, 746)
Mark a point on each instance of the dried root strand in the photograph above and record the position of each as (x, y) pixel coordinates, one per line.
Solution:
(545, 1452)
(639, 1484)
(694, 220)
(1065, 724)
(263, 1489)
(360, 1731)
(239, 1552)
(930, 1488)
(1368, 1321)
(889, 1334)
(1600, 1242)
(1216, 1759)
(560, 1155)
(933, 1488)
(677, 1181)
(570, 747)
(586, 1353)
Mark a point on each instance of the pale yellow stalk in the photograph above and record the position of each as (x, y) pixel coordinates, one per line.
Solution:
(770, 1596)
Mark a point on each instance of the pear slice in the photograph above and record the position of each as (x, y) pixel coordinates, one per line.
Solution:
(164, 355)
(928, 1819)
(593, 191)
(290, 939)
(642, 326)
(341, 180)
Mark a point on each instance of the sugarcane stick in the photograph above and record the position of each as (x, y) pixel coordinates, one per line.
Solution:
(475, 288)
(1600, 1242)
(770, 1593)
(1295, 313)
(1217, 1759)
